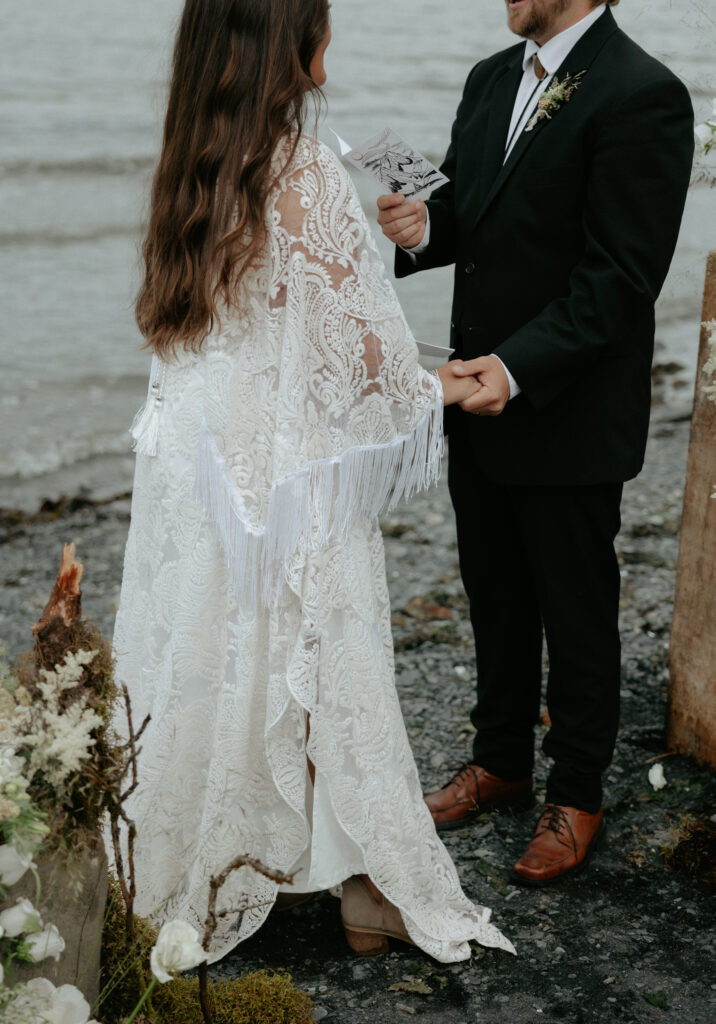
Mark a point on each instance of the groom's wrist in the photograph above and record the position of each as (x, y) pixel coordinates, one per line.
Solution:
(515, 389)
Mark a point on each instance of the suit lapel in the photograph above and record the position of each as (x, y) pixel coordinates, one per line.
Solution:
(579, 59)
(498, 123)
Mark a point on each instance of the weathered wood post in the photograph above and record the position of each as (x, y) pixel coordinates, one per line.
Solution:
(692, 690)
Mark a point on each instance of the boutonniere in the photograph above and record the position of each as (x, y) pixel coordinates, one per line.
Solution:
(554, 97)
(706, 132)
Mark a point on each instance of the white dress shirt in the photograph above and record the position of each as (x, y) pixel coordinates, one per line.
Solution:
(551, 56)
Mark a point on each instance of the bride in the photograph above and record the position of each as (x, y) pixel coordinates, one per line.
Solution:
(286, 409)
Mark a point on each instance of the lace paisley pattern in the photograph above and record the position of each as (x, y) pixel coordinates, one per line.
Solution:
(305, 414)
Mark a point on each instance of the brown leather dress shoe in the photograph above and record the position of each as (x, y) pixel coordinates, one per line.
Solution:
(473, 791)
(563, 842)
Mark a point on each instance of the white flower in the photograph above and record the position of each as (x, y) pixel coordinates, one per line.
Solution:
(21, 918)
(45, 944)
(704, 134)
(656, 776)
(177, 949)
(39, 1002)
(31, 1001)
(13, 864)
(67, 1006)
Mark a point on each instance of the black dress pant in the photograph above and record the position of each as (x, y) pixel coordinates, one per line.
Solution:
(534, 560)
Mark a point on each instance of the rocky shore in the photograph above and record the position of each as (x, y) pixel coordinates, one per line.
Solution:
(631, 939)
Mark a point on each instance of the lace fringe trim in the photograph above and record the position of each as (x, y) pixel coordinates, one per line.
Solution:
(315, 506)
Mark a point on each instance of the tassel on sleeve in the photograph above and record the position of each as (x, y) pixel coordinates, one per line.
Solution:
(145, 427)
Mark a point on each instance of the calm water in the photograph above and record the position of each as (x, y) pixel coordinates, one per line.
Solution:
(81, 95)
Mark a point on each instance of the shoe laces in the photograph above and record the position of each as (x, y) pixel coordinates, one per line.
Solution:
(554, 819)
(462, 773)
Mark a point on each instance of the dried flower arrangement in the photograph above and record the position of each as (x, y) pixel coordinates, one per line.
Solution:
(63, 773)
(59, 706)
(705, 146)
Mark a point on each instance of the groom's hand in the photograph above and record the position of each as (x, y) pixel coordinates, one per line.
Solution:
(494, 394)
(402, 222)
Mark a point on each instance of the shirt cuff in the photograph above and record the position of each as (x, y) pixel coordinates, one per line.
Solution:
(421, 246)
(515, 389)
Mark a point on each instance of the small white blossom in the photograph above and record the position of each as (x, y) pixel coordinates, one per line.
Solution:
(66, 675)
(21, 918)
(177, 949)
(58, 739)
(13, 864)
(8, 809)
(45, 944)
(70, 737)
(11, 767)
(657, 778)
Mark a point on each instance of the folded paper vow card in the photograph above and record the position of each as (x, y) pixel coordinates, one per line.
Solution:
(394, 163)
(434, 350)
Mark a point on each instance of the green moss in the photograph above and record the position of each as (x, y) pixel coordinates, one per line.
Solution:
(262, 997)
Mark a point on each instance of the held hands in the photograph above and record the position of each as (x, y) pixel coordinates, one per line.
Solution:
(456, 388)
(402, 222)
(490, 388)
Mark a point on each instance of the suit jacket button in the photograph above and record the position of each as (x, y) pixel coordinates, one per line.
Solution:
(469, 268)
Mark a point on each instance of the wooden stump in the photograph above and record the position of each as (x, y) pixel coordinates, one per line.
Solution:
(73, 897)
(692, 691)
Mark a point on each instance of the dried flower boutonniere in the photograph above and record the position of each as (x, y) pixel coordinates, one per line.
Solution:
(706, 132)
(554, 97)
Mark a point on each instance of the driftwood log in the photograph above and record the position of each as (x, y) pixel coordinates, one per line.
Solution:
(73, 896)
(692, 690)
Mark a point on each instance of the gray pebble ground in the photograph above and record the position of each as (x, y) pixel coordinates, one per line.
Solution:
(628, 940)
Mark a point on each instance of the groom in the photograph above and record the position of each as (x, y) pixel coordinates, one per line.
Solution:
(569, 164)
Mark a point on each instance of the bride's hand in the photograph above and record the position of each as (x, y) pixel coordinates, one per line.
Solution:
(456, 389)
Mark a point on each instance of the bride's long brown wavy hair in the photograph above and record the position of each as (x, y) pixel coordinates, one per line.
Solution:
(240, 82)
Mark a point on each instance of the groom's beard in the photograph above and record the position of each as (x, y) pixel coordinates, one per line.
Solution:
(536, 17)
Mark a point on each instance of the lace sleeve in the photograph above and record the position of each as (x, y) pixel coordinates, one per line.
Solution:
(356, 422)
(332, 285)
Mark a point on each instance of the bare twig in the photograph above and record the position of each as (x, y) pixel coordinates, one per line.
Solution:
(660, 757)
(119, 865)
(212, 917)
(127, 879)
(218, 881)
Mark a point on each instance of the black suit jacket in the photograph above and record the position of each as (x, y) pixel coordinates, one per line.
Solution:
(560, 255)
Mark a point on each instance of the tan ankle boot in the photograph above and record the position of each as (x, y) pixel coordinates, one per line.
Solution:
(369, 922)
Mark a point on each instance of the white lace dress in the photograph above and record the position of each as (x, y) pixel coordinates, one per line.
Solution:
(254, 590)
